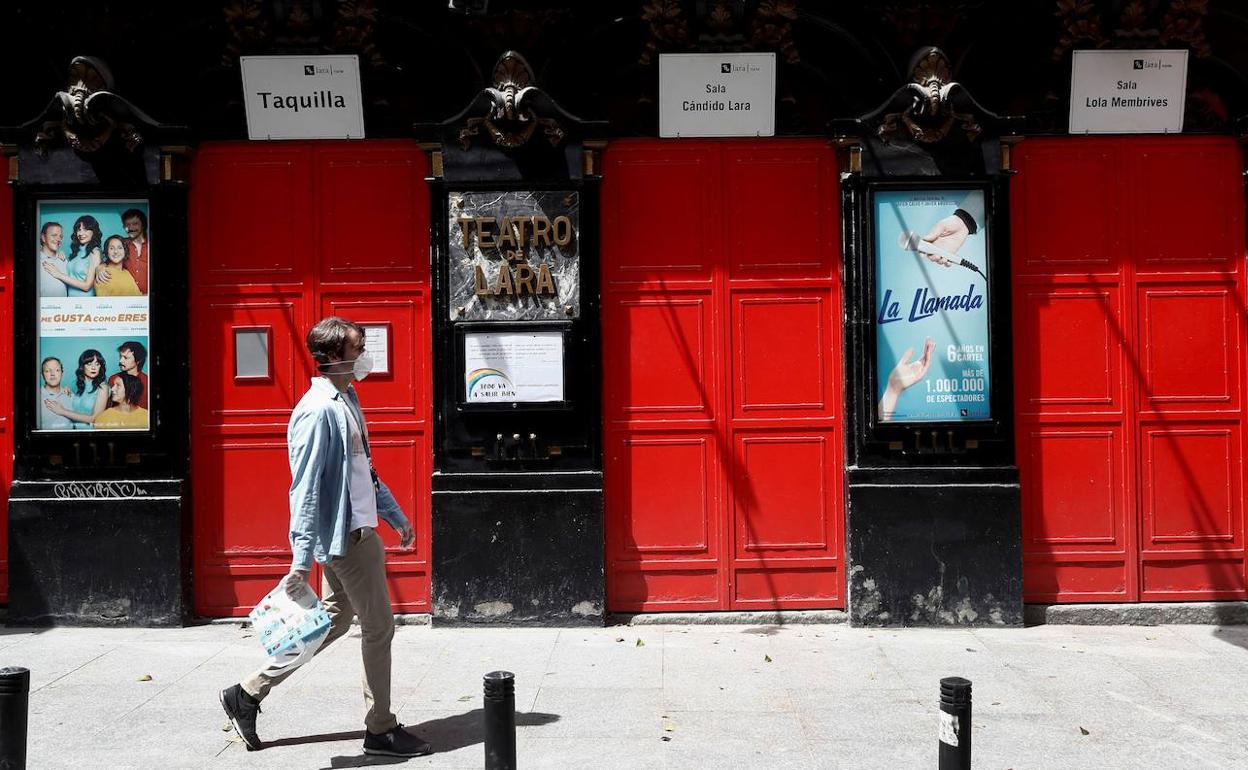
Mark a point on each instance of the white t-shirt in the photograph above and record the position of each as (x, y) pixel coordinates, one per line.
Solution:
(363, 496)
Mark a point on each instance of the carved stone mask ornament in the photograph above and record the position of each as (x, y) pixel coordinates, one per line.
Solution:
(932, 103)
(514, 107)
(87, 114)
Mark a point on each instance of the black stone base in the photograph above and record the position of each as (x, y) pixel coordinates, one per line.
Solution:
(518, 549)
(109, 553)
(935, 547)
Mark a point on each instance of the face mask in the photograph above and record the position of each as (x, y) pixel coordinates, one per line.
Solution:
(360, 367)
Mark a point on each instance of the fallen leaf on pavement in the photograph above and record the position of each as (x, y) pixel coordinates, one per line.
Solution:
(640, 643)
(465, 698)
(1083, 731)
(767, 658)
(145, 678)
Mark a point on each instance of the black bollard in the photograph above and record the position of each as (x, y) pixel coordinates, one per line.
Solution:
(955, 723)
(500, 720)
(14, 703)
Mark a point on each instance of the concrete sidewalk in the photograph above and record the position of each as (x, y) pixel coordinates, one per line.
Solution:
(774, 697)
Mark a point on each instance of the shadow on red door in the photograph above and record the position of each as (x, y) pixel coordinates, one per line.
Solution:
(722, 376)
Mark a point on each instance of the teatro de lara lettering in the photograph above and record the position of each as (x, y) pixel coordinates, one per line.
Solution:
(512, 237)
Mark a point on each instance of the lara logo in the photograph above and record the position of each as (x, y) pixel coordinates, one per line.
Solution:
(313, 70)
(120, 490)
(727, 68)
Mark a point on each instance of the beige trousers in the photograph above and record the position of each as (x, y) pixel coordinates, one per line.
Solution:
(357, 586)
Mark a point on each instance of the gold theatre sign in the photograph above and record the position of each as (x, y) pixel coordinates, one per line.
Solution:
(513, 238)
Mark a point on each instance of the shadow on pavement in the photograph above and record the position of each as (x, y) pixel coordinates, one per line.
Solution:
(1236, 635)
(462, 730)
(446, 734)
(364, 760)
(322, 738)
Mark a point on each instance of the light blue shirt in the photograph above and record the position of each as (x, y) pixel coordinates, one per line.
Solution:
(319, 446)
(50, 285)
(49, 420)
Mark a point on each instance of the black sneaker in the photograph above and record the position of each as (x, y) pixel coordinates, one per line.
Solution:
(396, 742)
(242, 710)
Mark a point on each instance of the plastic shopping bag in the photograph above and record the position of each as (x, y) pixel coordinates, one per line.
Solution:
(290, 629)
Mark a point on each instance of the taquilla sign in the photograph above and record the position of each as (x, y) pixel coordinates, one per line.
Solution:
(303, 97)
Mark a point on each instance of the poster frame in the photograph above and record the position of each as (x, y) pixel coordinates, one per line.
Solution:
(952, 436)
(23, 252)
(160, 451)
(462, 330)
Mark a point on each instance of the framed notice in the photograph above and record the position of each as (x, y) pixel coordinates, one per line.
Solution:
(93, 262)
(931, 304)
(513, 367)
(377, 343)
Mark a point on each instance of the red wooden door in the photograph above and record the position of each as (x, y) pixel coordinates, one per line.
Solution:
(1129, 353)
(722, 370)
(6, 383)
(282, 235)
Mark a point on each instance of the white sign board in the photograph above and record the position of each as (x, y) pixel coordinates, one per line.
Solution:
(1127, 92)
(717, 94)
(506, 367)
(377, 343)
(303, 97)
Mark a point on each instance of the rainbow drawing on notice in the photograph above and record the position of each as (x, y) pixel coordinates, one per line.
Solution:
(476, 375)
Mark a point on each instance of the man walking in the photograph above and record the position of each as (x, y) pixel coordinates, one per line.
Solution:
(335, 501)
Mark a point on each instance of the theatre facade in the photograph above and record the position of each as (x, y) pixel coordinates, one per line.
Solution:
(920, 311)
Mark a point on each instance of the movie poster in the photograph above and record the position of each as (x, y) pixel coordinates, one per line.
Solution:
(92, 259)
(931, 306)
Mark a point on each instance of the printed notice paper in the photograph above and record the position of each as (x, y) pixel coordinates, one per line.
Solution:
(507, 367)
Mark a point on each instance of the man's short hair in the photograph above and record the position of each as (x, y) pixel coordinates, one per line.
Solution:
(135, 214)
(45, 361)
(329, 336)
(44, 230)
(137, 349)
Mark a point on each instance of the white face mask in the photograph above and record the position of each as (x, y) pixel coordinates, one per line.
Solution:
(360, 367)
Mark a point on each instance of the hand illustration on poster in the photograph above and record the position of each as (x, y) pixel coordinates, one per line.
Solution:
(94, 315)
(931, 272)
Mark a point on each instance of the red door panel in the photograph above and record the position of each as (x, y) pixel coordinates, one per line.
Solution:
(660, 184)
(1074, 364)
(1188, 344)
(1130, 367)
(1188, 183)
(781, 343)
(1052, 194)
(314, 229)
(253, 213)
(664, 370)
(721, 376)
(1075, 477)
